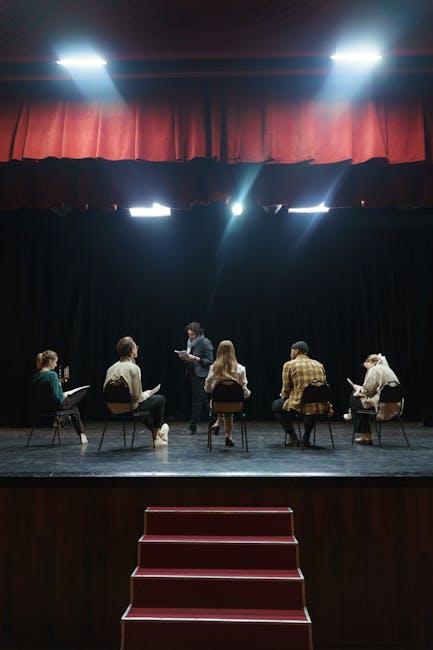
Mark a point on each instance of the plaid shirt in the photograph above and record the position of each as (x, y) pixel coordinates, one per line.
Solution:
(297, 374)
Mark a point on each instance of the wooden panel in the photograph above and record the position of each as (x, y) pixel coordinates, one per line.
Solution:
(66, 554)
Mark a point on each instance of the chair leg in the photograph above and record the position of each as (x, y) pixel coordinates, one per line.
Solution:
(31, 432)
(331, 436)
(133, 434)
(56, 433)
(404, 432)
(102, 437)
(209, 432)
(244, 422)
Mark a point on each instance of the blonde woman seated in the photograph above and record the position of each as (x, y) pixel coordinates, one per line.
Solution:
(226, 366)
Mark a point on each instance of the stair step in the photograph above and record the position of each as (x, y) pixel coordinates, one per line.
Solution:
(218, 588)
(214, 521)
(198, 628)
(182, 551)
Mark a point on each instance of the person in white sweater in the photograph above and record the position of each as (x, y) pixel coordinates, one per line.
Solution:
(226, 366)
(367, 396)
(141, 401)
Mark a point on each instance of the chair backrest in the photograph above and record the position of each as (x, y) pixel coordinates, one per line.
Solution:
(318, 392)
(227, 397)
(391, 392)
(391, 402)
(118, 397)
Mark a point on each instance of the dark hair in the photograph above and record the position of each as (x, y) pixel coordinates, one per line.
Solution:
(195, 327)
(125, 345)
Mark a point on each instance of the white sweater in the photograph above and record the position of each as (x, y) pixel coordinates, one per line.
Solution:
(375, 379)
(240, 376)
(131, 373)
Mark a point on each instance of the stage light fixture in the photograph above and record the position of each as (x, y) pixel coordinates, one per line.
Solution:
(237, 209)
(272, 208)
(82, 62)
(321, 208)
(156, 210)
(357, 56)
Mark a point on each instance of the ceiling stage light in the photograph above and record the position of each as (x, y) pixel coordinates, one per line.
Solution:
(82, 62)
(237, 209)
(156, 210)
(321, 208)
(357, 56)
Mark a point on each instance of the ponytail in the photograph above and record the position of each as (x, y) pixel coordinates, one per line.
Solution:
(43, 358)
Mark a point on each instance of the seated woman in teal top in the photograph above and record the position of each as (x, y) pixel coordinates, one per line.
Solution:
(48, 394)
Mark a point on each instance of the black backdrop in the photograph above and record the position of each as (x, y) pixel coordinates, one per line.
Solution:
(350, 282)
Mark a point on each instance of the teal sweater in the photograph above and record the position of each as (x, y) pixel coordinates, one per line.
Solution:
(47, 389)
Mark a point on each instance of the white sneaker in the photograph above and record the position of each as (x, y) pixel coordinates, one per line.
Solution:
(347, 416)
(83, 439)
(163, 432)
(160, 442)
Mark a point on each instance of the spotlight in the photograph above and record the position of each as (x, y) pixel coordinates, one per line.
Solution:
(237, 209)
(83, 62)
(155, 211)
(313, 210)
(357, 56)
(273, 208)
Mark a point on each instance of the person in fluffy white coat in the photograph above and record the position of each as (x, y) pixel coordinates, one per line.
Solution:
(367, 396)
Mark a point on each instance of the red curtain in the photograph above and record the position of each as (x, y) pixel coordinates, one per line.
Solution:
(231, 122)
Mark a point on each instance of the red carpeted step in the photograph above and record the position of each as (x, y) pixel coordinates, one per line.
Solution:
(211, 588)
(212, 578)
(213, 552)
(217, 521)
(212, 629)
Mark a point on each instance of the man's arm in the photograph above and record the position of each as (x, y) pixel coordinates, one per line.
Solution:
(207, 354)
(287, 384)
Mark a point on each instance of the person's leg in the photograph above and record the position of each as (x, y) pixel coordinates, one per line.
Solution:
(78, 426)
(309, 423)
(198, 397)
(70, 402)
(361, 421)
(155, 406)
(228, 428)
(285, 418)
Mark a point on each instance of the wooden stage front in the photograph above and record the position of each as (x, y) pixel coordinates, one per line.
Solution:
(71, 518)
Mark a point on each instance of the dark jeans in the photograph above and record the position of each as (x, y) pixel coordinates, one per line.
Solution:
(70, 402)
(155, 406)
(199, 397)
(361, 421)
(286, 419)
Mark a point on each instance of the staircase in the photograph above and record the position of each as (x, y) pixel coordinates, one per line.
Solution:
(217, 578)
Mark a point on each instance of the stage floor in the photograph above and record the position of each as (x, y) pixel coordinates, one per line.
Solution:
(187, 455)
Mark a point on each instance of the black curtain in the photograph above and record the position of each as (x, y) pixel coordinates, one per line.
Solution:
(349, 282)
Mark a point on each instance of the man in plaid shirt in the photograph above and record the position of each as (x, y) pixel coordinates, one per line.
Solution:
(297, 374)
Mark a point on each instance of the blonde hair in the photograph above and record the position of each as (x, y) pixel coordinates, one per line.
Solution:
(225, 364)
(43, 358)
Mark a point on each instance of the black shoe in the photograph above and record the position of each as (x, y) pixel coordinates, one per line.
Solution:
(192, 429)
(229, 442)
(293, 442)
(215, 429)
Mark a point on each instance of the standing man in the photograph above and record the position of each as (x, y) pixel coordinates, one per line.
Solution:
(199, 357)
(297, 374)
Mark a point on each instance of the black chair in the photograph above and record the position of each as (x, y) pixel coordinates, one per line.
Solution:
(118, 407)
(56, 418)
(227, 399)
(318, 392)
(390, 407)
